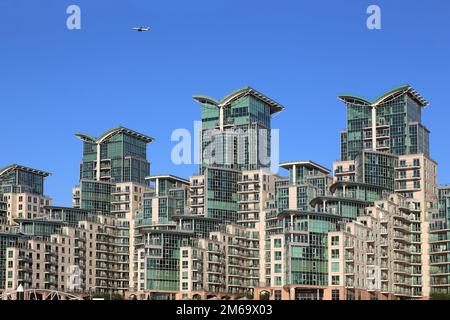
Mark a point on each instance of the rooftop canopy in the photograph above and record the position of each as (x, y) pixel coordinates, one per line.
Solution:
(275, 107)
(389, 95)
(110, 133)
(167, 177)
(307, 163)
(13, 167)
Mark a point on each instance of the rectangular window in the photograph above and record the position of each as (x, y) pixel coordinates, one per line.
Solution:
(335, 267)
(277, 295)
(278, 281)
(335, 240)
(335, 294)
(335, 253)
(277, 255)
(277, 268)
(277, 243)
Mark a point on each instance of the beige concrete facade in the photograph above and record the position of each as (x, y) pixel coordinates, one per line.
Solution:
(378, 256)
(25, 205)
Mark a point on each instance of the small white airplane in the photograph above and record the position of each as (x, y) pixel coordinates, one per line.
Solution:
(141, 29)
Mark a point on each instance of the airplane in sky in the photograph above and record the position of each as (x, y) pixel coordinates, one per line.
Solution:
(141, 29)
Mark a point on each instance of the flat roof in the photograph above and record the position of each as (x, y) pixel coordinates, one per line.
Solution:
(69, 208)
(305, 163)
(41, 220)
(13, 167)
(167, 177)
(286, 213)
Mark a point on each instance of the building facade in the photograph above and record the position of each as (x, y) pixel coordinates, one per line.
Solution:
(374, 227)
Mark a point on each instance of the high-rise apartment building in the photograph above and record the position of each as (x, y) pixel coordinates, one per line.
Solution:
(22, 189)
(391, 123)
(377, 228)
(236, 131)
(440, 244)
(378, 255)
(112, 181)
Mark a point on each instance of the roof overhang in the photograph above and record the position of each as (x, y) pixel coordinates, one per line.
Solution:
(385, 97)
(112, 132)
(275, 107)
(308, 163)
(12, 167)
(167, 177)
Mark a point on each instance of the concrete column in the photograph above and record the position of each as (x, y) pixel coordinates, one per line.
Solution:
(221, 118)
(374, 128)
(98, 162)
(294, 174)
(292, 294)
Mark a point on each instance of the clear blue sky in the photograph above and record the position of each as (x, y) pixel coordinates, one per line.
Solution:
(54, 82)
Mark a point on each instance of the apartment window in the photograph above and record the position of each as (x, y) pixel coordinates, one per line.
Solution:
(335, 254)
(185, 286)
(185, 275)
(277, 294)
(277, 255)
(416, 162)
(185, 264)
(277, 243)
(278, 281)
(334, 294)
(335, 240)
(335, 267)
(185, 253)
(335, 280)
(277, 268)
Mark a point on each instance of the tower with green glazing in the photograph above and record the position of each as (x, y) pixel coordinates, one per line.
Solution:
(112, 181)
(236, 131)
(391, 123)
(118, 156)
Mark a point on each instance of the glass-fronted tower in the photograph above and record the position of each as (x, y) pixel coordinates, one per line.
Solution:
(118, 155)
(391, 123)
(236, 130)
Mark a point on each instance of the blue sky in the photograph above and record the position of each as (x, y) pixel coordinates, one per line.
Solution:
(54, 82)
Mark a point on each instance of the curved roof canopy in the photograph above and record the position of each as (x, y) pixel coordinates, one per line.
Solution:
(108, 134)
(12, 167)
(389, 95)
(339, 184)
(275, 107)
